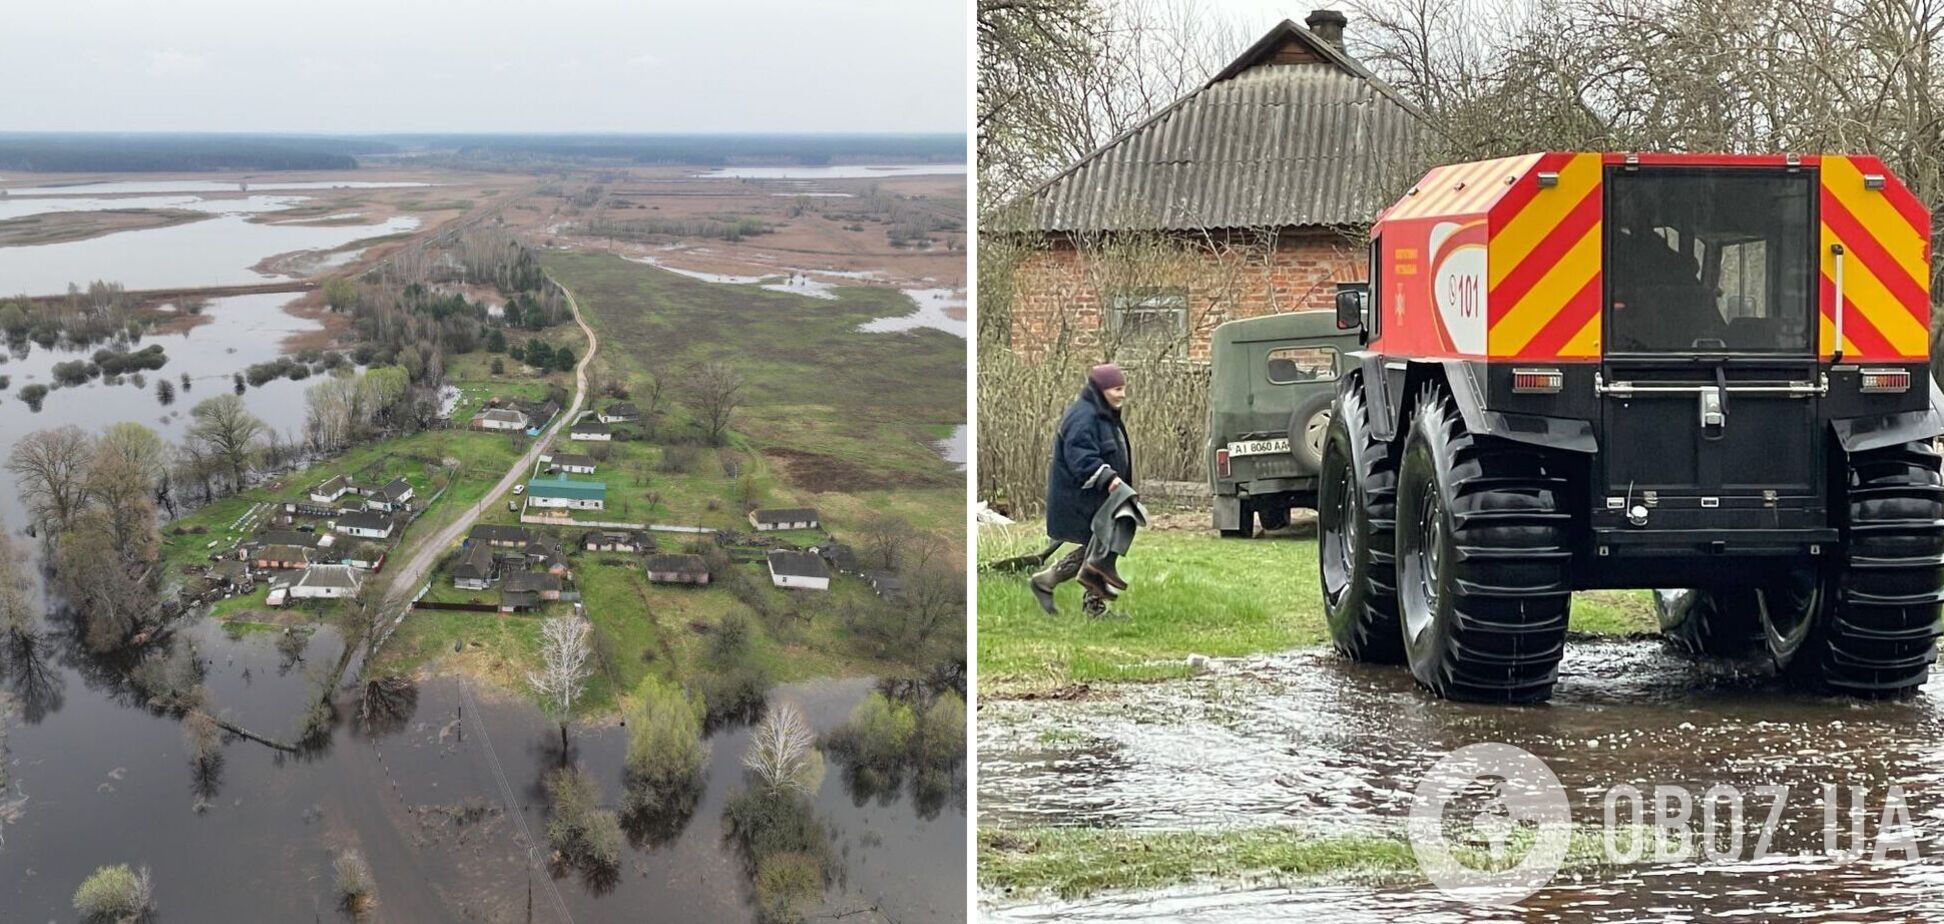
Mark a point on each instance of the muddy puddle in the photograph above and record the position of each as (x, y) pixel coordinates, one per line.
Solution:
(1310, 741)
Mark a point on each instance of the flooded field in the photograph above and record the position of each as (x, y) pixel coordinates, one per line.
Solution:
(128, 187)
(833, 172)
(103, 779)
(1310, 741)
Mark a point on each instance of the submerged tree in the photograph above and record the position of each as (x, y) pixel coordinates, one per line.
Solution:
(51, 466)
(16, 619)
(783, 753)
(566, 644)
(115, 894)
(229, 431)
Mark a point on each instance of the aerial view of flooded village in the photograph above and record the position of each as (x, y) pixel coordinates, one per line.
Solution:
(535, 526)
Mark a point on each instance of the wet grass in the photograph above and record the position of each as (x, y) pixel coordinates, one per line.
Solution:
(1022, 864)
(1191, 593)
(1078, 862)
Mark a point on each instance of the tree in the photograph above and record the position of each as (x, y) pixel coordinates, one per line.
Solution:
(229, 431)
(885, 538)
(783, 753)
(496, 341)
(499, 366)
(715, 392)
(121, 491)
(341, 294)
(165, 391)
(665, 745)
(566, 643)
(138, 446)
(356, 890)
(51, 466)
(563, 359)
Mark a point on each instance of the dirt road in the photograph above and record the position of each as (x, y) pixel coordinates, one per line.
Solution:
(406, 581)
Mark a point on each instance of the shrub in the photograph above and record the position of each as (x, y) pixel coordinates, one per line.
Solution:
(665, 746)
(581, 833)
(731, 639)
(764, 824)
(355, 890)
(735, 693)
(114, 893)
(786, 885)
(33, 394)
(941, 731)
(880, 732)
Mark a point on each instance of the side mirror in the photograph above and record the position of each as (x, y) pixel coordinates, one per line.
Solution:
(1350, 300)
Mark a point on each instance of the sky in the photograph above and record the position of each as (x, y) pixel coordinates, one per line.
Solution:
(352, 66)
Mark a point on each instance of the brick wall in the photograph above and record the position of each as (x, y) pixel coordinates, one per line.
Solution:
(1061, 291)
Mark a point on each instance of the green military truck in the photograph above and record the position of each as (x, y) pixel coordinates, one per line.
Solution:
(1272, 382)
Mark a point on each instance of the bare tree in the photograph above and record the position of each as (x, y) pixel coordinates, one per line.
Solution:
(229, 430)
(566, 645)
(52, 468)
(783, 753)
(715, 391)
(16, 619)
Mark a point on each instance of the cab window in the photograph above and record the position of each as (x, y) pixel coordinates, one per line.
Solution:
(1291, 365)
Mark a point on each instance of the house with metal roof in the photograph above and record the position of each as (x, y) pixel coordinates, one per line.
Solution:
(559, 492)
(1268, 174)
(804, 570)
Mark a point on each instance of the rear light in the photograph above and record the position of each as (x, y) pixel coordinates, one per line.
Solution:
(1537, 381)
(1885, 380)
(1222, 462)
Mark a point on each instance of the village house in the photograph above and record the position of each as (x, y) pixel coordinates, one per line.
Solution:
(616, 540)
(676, 569)
(1267, 173)
(309, 508)
(539, 412)
(562, 493)
(497, 536)
(280, 557)
(839, 556)
(569, 462)
(365, 556)
(620, 412)
(801, 570)
(328, 582)
(886, 584)
(520, 601)
(500, 418)
(591, 430)
(364, 525)
(783, 518)
(393, 496)
(476, 569)
(547, 586)
(547, 551)
(331, 489)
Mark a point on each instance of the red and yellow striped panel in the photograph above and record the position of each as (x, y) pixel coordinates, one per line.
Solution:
(1543, 258)
(1885, 235)
(1461, 189)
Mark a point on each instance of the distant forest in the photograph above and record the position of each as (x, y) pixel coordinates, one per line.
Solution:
(175, 153)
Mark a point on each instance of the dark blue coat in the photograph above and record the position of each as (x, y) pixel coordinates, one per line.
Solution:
(1090, 436)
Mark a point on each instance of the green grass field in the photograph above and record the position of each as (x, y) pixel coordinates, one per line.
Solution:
(1192, 593)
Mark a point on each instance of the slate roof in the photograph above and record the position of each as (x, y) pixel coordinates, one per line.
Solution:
(475, 563)
(377, 521)
(798, 564)
(785, 515)
(1294, 132)
(343, 577)
(531, 582)
(679, 564)
(492, 532)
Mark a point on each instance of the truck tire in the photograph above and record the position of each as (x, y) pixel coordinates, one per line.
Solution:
(1878, 634)
(1355, 531)
(1274, 514)
(1711, 623)
(1483, 560)
(1309, 425)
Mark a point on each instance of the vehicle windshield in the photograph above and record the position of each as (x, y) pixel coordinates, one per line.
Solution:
(1709, 262)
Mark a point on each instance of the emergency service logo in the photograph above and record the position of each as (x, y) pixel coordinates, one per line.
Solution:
(1490, 824)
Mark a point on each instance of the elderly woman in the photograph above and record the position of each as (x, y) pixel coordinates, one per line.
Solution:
(1093, 462)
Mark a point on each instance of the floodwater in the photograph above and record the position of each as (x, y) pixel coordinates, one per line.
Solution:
(1311, 741)
(102, 779)
(932, 306)
(832, 172)
(218, 251)
(954, 447)
(25, 206)
(241, 330)
(194, 186)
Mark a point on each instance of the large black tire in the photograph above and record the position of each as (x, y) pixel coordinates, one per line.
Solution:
(1711, 623)
(1483, 560)
(1877, 635)
(1274, 516)
(1355, 522)
(1309, 425)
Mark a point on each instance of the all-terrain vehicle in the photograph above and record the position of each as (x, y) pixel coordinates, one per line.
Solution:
(1271, 385)
(1705, 372)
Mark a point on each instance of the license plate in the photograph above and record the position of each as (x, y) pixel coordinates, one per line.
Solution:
(1258, 447)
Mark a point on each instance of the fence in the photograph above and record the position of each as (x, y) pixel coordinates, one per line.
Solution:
(464, 607)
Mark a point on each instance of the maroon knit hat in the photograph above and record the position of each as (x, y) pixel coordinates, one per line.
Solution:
(1105, 376)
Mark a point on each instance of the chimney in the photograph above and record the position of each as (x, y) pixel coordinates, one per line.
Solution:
(1328, 26)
